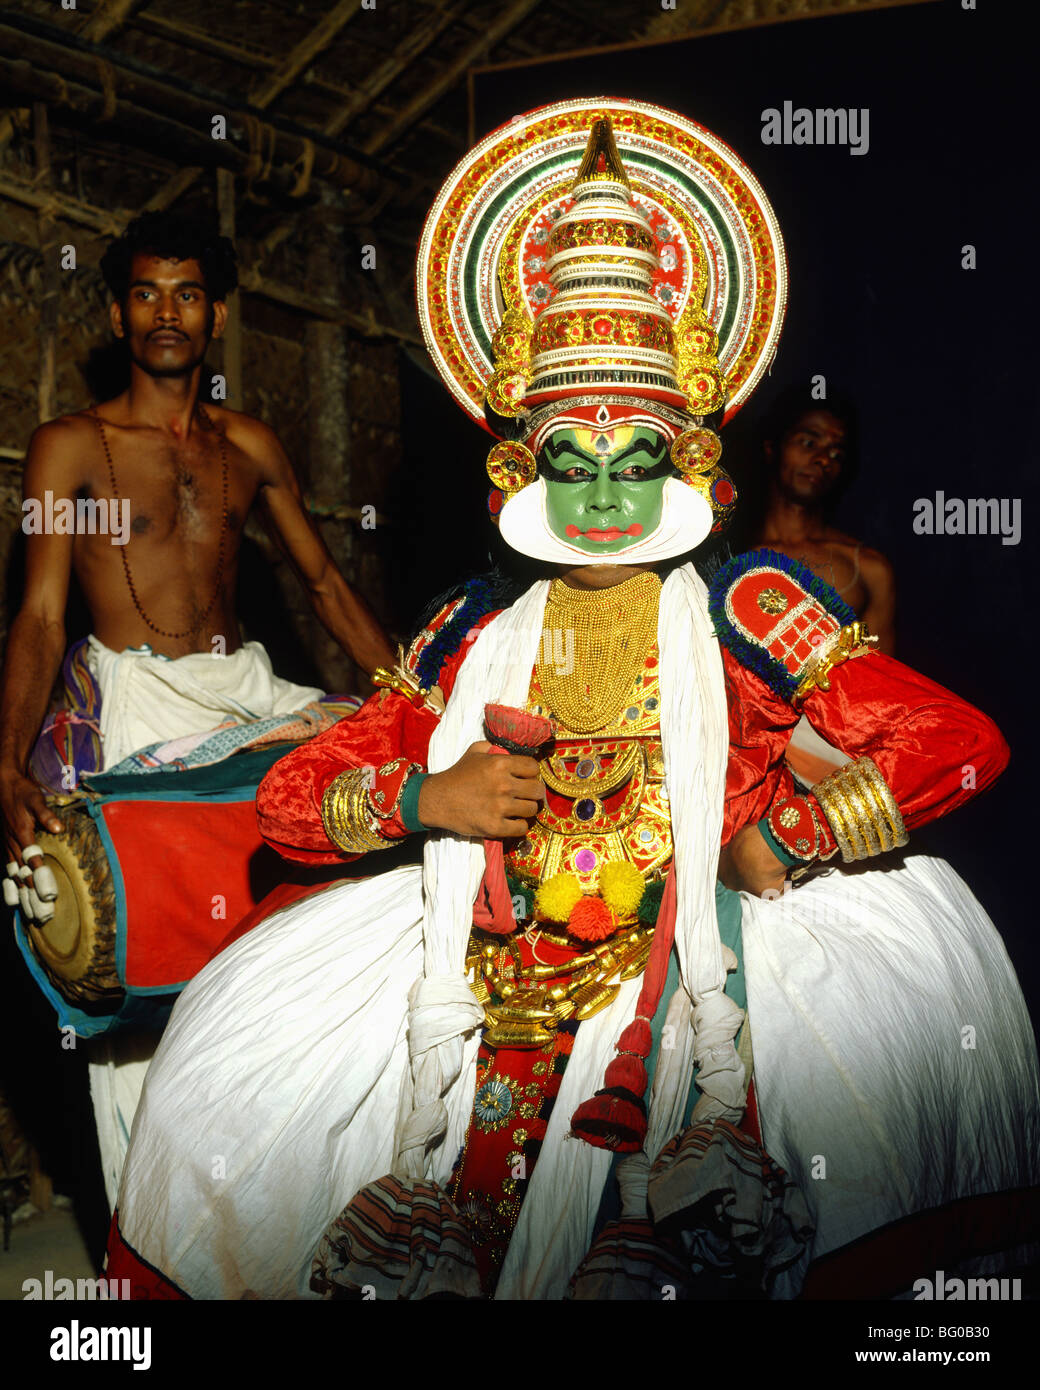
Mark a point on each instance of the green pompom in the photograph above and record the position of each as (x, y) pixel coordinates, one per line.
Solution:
(650, 902)
(520, 890)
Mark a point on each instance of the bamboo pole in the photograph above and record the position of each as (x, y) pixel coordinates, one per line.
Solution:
(494, 33)
(409, 48)
(232, 359)
(46, 385)
(159, 113)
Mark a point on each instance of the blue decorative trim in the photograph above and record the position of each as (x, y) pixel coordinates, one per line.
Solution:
(409, 803)
(749, 653)
(447, 640)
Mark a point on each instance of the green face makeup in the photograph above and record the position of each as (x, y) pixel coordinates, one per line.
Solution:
(605, 488)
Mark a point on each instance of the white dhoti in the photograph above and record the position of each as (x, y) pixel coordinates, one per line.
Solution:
(282, 1084)
(273, 1096)
(895, 1063)
(145, 699)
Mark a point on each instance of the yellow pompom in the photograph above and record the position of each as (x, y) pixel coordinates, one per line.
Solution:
(621, 886)
(557, 896)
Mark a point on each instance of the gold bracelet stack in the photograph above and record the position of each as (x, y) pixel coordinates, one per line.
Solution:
(861, 811)
(346, 815)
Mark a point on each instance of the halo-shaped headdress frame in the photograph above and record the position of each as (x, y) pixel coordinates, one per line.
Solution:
(718, 241)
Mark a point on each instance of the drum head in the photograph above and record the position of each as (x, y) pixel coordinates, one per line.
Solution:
(77, 946)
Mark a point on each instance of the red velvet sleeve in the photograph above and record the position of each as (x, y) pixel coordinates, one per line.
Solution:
(760, 725)
(933, 749)
(387, 726)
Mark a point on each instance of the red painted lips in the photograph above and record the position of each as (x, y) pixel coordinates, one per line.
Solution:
(610, 534)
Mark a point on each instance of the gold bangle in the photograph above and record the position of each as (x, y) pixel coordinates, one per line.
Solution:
(826, 794)
(870, 808)
(840, 796)
(861, 811)
(346, 816)
(871, 832)
(880, 790)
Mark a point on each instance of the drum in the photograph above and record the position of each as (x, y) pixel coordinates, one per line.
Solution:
(154, 871)
(76, 948)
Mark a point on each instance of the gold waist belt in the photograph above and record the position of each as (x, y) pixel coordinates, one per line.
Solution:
(524, 1005)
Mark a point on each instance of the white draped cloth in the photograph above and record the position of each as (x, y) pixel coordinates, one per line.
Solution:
(149, 699)
(336, 1042)
(144, 699)
(895, 1062)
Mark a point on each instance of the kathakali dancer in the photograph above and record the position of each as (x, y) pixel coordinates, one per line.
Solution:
(559, 1058)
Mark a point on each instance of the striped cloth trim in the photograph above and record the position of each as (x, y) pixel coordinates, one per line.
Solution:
(404, 1239)
(630, 1260)
(726, 1220)
(737, 1213)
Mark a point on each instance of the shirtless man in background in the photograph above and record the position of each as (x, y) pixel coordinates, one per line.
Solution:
(809, 448)
(191, 473)
(175, 479)
(810, 457)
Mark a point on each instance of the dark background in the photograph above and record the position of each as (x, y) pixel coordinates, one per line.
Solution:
(940, 360)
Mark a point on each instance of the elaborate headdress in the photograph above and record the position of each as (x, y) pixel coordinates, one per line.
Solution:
(597, 264)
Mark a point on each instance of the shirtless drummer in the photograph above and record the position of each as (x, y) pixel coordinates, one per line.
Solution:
(809, 452)
(190, 472)
(809, 449)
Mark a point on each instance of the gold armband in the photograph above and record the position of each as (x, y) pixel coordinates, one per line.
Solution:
(861, 811)
(405, 684)
(346, 815)
(850, 641)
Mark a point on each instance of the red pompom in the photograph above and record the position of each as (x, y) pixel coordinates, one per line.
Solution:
(627, 1072)
(591, 920)
(636, 1038)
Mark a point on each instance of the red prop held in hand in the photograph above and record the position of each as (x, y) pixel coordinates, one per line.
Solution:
(508, 730)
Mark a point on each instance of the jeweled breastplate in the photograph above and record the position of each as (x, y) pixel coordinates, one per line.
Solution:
(606, 798)
(592, 865)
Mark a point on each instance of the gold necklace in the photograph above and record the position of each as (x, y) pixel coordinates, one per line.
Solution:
(595, 642)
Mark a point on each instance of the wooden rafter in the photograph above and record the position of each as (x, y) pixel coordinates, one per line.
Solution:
(415, 43)
(105, 222)
(251, 279)
(109, 16)
(272, 87)
(513, 16)
(242, 55)
(304, 53)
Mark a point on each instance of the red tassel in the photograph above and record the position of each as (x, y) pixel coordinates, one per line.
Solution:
(628, 1073)
(615, 1118)
(508, 730)
(493, 909)
(636, 1038)
(610, 1120)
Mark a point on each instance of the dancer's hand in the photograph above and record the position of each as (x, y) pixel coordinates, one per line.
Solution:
(492, 798)
(748, 865)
